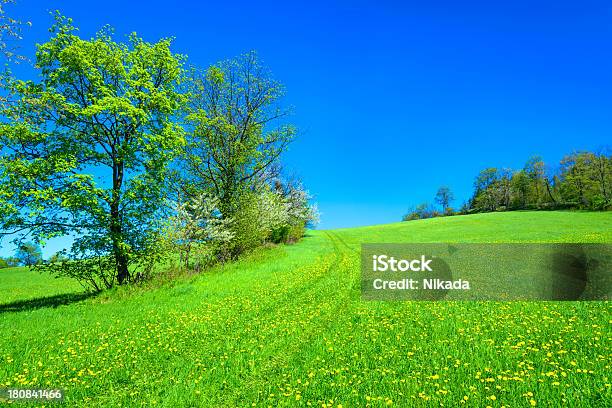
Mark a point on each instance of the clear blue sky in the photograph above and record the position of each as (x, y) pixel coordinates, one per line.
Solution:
(395, 99)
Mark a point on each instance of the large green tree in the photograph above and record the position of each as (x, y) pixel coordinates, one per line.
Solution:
(236, 129)
(535, 171)
(602, 172)
(577, 177)
(520, 188)
(486, 191)
(587, 179)
(85, 149)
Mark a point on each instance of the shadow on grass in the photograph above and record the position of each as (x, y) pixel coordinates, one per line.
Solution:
(48, 301)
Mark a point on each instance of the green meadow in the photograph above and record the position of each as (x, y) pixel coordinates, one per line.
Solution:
(285, 326)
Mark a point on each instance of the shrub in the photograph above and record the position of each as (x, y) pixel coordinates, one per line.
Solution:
(421, 211)
(203, 235)
(300, 213)
(199, 231)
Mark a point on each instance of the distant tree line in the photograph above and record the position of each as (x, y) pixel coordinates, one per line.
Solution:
(144, 159)
(27, 254)
(582, 180)
(444, 196)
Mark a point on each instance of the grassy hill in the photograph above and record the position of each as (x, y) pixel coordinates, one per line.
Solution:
(286, 326)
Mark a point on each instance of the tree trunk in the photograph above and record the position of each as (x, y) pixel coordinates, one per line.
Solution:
(550, 192)
(121, 261)
(116, 228)
(601, 170)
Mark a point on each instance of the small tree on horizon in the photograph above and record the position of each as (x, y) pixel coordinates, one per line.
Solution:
(444, 197)
(29, 254)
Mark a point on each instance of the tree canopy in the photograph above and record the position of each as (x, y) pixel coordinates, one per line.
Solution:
(234, 130)
(86, 149)
(119, 147)
(583, 180)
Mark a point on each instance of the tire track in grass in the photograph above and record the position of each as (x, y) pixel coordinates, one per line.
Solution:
(278, 367)
(267, 325)
(258, 326)
(327, 358)
(356, 282)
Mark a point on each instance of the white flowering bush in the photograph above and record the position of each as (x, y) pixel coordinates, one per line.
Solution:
(299, 208)
(273, 210)
(299, 213)
(199, 230)
(203, 235)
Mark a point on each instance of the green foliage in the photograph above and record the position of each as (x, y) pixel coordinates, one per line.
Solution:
(58, 257)
(487, 193)
(29, 254)
(534, 169)
(257, 214)
(96, 269)
(444, 196)
(202, 235)
(583, 180)
(199, 231)
(10, 32)
(113, 132)
(235, 138)
(235, 133)
(11, 261)
(421, 211)
(94, 272)
(587, 180)
(247, 228)
(275, 215)
(520, 187)
(3, 263)
(87, 148)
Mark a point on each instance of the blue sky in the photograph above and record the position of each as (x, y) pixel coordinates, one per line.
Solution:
(394, 99)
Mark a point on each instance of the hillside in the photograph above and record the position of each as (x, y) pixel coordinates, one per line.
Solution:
(286, 326)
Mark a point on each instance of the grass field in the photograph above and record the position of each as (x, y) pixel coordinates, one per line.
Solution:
(286, 327)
